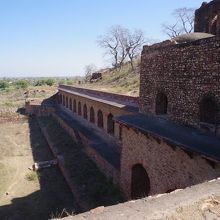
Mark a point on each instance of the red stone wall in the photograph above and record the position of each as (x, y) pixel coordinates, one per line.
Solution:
(32, 108)
(104, 107)
(168, 168)
(185, 73)
(102, 164)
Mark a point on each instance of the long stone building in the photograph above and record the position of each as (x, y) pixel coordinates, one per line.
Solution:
(169, 137)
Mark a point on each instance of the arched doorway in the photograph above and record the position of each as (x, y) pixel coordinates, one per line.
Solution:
(60, 99)
(74, 105)
(110, 124)
(79, 108)
(161, 104)
(100, 119)
(63, 100)
(71, 104)
(140, 182)
(85, 111)
(208, 110)
(67, 103)
(92, 115)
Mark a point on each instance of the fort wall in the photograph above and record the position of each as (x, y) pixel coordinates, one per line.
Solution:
(185, 74)
(168, 166)
(207, 18)
(96, 111)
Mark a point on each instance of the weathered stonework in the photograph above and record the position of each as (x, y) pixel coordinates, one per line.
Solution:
(207, 18)
(106, 108)
(185, 73)
(168, 168)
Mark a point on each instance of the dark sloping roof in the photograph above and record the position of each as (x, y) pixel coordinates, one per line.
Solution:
(189, 139)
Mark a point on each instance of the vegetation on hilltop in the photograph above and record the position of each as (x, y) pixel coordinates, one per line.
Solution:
(124, 80)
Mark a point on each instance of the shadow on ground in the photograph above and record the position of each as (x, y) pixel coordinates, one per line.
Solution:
(54, 195)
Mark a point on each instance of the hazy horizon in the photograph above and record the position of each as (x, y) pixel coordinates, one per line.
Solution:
(58, 38)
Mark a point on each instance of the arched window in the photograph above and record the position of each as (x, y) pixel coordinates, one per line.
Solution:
(67, 102)
(85, 111)
(79, 108)
(92, 115)
(100, 119)
(60, 99)
(208, 110)
(63, 100)
(71, 104)
(110, 124)
(74, 105)
(140, 182)
(161, 104)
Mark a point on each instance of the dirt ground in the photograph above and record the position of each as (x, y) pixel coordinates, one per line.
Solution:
(46, 194)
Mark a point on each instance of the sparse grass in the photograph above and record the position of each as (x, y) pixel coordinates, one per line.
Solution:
(124, 80)
(32, 176)
(62, 214)
(30, 197)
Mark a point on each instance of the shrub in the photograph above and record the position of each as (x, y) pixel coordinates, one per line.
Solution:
(33, 176)
(4, 84)
(23, 84)
(49, 82)
(42, 82)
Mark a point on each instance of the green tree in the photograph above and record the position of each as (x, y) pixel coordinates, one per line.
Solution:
(49, 82)
(23, 84)
(4, 84)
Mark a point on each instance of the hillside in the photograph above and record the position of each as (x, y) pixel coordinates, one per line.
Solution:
(124, 80)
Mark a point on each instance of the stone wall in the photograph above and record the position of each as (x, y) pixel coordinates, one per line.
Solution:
(37, 109)
(207, 18)
(97, 106)
(167, 166)
(186, 73)
(106, 168)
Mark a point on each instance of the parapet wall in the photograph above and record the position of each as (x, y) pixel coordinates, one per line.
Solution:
(105, 95)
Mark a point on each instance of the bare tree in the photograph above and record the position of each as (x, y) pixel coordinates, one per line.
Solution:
(134, 44)
(114, 43)
(184, 22)
(122, 44)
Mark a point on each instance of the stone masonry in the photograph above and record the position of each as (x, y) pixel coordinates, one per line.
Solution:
(185, 74)
(207, 18)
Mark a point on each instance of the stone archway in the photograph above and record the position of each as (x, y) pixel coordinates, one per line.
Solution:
(67, 103)
(100, 119)
(92, 115)
(140, 182)
(208, 110)
(161, 104)
(71, 104)
(63, 100)
(110, 124)
(85, 111)
(79, 108)
(74, 105)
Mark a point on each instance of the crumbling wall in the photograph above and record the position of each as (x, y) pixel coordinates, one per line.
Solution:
(207, 18)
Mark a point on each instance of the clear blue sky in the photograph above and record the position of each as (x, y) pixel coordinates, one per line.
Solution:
(58, 37)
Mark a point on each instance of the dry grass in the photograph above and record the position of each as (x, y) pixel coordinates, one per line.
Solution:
(123, 81)
(32, 176)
